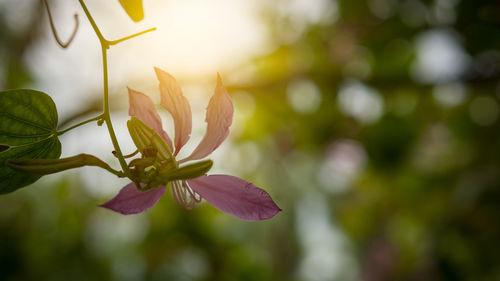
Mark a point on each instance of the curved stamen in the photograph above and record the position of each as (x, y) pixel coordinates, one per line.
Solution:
(188, 203)
(184, 195)
(195, 196)
(176, 192)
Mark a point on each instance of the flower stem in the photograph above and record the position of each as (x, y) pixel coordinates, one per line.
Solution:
(51, 166)
(105, 115)
(99, 117)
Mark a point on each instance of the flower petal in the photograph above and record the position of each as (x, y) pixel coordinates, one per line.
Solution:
(142, 107)
(219, 117)
(235, 196)
(173, 101)
(130, 200)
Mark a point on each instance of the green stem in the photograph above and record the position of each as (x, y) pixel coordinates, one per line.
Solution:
(80, 124)
(92, 22)
(114, 42)
(106, 115)
(105, 44)
(51, 166)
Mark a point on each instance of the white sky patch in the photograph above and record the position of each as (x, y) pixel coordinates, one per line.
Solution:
(361, 102)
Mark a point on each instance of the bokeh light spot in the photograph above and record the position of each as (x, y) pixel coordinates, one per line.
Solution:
(343, 162)
(361, 102)
(440, 58)
(304, 96)
(449, 95)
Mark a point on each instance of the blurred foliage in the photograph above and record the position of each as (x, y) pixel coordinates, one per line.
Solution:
(382, 174)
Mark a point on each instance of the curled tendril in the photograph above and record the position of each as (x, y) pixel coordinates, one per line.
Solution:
(62, 44)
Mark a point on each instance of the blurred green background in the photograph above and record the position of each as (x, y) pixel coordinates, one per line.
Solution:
(373, 124)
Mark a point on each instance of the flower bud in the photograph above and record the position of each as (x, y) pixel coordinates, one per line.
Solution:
(189, 171)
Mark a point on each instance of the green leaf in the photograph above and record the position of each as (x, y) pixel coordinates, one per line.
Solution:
(26, 116)
(11, 180)
(28, 129)
(133, 8)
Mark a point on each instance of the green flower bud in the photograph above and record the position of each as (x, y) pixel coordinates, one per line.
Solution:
(189, 171)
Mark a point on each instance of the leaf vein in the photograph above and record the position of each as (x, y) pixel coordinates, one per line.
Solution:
(16, 118)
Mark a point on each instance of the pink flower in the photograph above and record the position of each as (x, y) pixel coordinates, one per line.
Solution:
(229, 194)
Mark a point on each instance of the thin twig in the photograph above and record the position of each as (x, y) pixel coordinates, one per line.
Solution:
(63, 45)
(100, 117)
(114, 42)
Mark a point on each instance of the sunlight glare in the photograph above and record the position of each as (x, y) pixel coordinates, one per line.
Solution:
(193, 38)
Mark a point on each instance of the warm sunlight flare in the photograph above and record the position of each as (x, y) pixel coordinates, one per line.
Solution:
(193, 39)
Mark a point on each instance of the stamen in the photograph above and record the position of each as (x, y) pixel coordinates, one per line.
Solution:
(188, 203)
(175, 192)
(184, 195)
(195, 196)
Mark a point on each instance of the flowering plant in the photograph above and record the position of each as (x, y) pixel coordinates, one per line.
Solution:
(30, 147)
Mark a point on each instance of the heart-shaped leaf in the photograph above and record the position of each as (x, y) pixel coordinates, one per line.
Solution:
(28, 126)
(133, 8)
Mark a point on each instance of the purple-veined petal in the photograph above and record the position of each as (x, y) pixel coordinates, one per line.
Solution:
(219, 117)
(178, 106)
(142, 107)
(130, 200)
(235, 196)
